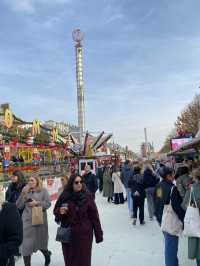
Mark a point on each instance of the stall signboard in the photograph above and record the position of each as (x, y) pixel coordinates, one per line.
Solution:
(177, 143)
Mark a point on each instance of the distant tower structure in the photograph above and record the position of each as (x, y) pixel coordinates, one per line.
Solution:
(78, 37)
(146, 144)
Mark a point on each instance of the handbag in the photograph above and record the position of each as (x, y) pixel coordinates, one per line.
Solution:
(37, 215)
(63, 234)
(170, 221)
(192, 218)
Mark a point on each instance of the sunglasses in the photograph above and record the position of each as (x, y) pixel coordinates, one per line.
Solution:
(78, 182)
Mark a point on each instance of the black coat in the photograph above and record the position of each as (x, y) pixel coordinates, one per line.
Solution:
(91, 182)
(13, 192)
(149, 179)
(10, 232)
(162, 197)
(136, 183)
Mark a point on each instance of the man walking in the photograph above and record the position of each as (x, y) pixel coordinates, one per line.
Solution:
(90, 180)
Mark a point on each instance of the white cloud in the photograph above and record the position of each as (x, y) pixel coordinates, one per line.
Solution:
(30, 6)
(114, 17)
(147, 15)
(51, 22)
(52, 2)
(21, 5)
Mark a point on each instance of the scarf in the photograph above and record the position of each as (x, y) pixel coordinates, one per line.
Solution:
(79, 197)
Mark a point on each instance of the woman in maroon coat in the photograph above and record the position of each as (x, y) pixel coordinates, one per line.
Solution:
(76, 208)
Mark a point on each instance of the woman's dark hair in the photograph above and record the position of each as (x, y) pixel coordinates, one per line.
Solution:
(20, 176)
(137, 170)
(183, 170)
(165, 171)
(69, 186)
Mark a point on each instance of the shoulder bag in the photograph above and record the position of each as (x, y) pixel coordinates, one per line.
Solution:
(192, 218)
(37, 215)
(170, 221)
(63, 234)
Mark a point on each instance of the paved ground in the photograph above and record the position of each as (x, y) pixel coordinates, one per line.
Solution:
(123, 244)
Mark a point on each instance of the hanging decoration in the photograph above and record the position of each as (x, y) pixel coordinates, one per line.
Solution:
(1, 139)
(29, 139)
(8, 118)
(6, 156)
(90, 151)
(36, 127)
(55, 134)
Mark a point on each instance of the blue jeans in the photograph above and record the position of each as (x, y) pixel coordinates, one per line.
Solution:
(198, 262)
(150, 200)
(130, 201)
(171, 249)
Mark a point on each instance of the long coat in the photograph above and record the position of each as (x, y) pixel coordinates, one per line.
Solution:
(10, 232)
(35, 237)
(84, 221)
(107, 184)
(118, 186)
(91, 182)
(193, 242)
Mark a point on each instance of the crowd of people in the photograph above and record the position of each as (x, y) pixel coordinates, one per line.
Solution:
(164, 185)
(160, 185)
(131, 182)
(26, 203)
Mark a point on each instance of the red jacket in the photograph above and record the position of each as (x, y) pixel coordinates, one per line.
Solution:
(84, 221)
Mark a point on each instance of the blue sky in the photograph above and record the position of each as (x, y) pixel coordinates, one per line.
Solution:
(142, 62)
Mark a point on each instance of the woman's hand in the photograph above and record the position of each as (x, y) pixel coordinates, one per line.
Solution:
(64, 210)
(25, 190)
(33, 203)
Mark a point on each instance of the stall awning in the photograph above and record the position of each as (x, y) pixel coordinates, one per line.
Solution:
(189, 146)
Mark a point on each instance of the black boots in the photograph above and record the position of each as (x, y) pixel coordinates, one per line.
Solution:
(47, 255)
(109, 199)
(27, 260)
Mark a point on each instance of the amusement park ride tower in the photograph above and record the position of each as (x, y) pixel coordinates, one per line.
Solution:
(78, 37)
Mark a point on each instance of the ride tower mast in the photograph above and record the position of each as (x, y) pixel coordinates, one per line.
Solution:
(78, 38)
